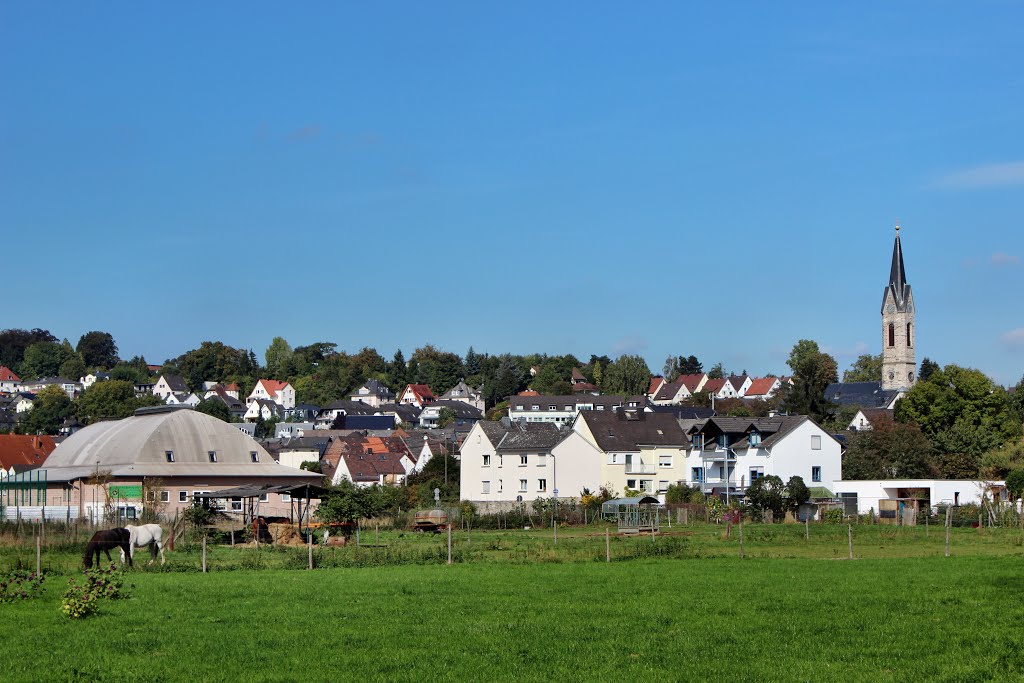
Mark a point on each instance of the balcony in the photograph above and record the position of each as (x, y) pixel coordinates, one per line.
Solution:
(640, 468)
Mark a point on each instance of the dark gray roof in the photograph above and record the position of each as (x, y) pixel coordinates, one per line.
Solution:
(406, 412)
(494, 431)
(864, 394)
(176, 384)
(560, 401)
(897, 278)
(354, 407)
(771, 429)
(737, 381)
(531, 436)
(375, 388)
(463, 411)
(627, 431)
(685, 412)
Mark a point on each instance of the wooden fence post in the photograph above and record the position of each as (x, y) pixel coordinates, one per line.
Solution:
(948, 522)
(449, 542)
(39, 555)
(607, 545)
(807, 528)
(741, 537)
(309, 544)
(849, 532)
(204, 553)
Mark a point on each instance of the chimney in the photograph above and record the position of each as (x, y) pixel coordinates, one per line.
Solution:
(37, 443)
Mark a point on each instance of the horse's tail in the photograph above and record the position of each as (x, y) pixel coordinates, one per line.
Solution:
(90, 548)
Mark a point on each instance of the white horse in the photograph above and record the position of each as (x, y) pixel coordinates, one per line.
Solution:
(146, 534)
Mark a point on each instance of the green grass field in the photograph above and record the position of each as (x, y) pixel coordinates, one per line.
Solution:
(516, 608)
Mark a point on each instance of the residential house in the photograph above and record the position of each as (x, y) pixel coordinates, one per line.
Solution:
(867, 419)
(674, 393)
(401, 413)
(69, 387)
(740, 384)
(367, 460)
(580, 384)
(762, 388)
(294, 451)
(9, 382)
(463, 414)
(867, 496)
(23, 401)
(373, 393)
(236, 409)
(862, 394)
(211, 388)
(657, 381)
(637, 450)
(274, 390)
(463, 392)
(517, 462)
(92, 378)
(418, 395)
(265, 409)
(22, 452)
(327, 417)
(288, 430)
(302, 411)
(560, 409)
(169, 384)
(189, 399)
(728, 453)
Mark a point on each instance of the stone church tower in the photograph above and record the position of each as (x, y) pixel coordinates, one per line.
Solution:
(899, 370)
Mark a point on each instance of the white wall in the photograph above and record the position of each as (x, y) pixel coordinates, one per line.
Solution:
(869, 492)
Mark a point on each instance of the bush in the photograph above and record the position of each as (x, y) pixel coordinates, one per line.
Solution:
(82, 599)
(20, 585)
(834, 516)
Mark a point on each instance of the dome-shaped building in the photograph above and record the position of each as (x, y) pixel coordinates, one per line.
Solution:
(167, 455)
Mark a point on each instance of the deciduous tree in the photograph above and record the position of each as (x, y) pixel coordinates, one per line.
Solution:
(628, 376)
(97, 349)
(867, 368)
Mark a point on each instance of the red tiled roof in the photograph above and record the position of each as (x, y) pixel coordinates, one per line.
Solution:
(273, 386)
(761, 386)
(230, 387)
(655, 383)
(528, 393)
(422, 391)
(7, 375)
(24, 449)
(578, 375)
(713, 385)
(692, 381)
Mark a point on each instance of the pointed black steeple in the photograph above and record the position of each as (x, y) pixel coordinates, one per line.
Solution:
(897, 277)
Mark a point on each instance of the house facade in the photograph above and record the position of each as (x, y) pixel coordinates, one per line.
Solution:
(9, 382)
(281, 393)
(466, 394)
(168, 384)
(562, 409)
(373, 393)
(418, 395)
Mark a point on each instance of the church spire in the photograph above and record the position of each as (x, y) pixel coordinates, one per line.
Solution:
(897, 273)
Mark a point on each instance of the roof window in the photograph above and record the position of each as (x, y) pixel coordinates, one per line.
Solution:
(169, 455)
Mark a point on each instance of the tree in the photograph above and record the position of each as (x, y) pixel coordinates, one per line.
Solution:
(44, 359)
(396, 377)
(670, 371)
(51, 408)
(279, 358)
(813, 371)
(73, 368)
(888, 451)
(1015, 483)
(216, 362)
(14, 342)
(961, 411)
(928, 367)
(445, 417)
(215, 408)
(472, 363)
(768, 493)
(439, 369)
(797, 493)
(690, 366)
(112, 399)
(628, 375)
(717, 371)
(867, 368)
(97, 349)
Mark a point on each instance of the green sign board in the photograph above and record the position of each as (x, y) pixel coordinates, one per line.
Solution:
(125, 492)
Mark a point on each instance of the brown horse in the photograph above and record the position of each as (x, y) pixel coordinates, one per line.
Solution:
(105, 541)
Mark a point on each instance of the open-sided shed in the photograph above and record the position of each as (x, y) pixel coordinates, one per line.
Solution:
(633, 515)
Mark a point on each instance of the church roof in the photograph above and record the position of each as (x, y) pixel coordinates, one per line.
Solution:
(897, 278)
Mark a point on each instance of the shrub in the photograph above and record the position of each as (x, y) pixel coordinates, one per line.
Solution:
(834, 516)
(20, 585)
(82, 599)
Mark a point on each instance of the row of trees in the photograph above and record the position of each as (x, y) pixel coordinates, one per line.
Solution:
(114, 399)
(37, 353)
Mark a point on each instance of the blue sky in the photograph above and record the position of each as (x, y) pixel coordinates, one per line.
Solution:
(720, 179)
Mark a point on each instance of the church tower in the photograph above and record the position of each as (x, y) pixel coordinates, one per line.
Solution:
(899, 370)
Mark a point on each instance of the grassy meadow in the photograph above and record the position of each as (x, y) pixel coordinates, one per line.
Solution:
(514, 606)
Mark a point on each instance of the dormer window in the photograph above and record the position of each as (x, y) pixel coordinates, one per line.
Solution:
(212, 455)
(254, 456)
(723, 440)
(755, 438)
(169, 456)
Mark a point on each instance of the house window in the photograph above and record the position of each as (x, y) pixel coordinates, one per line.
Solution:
(254, 456)
(487, 461)
(815, 442)
(698, 441)
(646, 485)
(500, 459)
(540, 460)
(551, 407)
(520, 408)
(755, 438)
(499, 486)
(631, 484)
(169, 455)
(697, 475)
(815, 474)
(212, 455)
(613, 458)
(723, 440)
(567, 407)
(522, 486)
(662, 486)
(236, 504)
(892, 335)
(522, 460)
(485, 487)
(542, 485)
(535, 407)
(286, 497)
(182, 496)
(165, 496)
(756, 473)
(665, 460)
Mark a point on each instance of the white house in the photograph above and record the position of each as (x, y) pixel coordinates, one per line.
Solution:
(92, 378)
(69, 387)
(190, 398)
(215, 388)
(265, 409)
(862, 496)
(728, 453)
(418, 395)
(274, 390)
(562, 409)
(762, 388)
(466, 394)
(9, 382)
(23, 402)
(373, 393)
(518, 462)
(674, 393)
(740, 384)
(170, 384)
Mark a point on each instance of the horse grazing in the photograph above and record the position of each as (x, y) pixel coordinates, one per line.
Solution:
(104, 541)
(146, 534)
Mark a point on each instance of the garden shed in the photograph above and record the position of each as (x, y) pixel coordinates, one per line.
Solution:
(633, 515)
